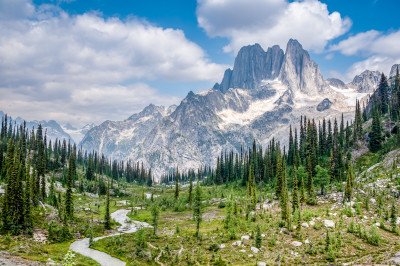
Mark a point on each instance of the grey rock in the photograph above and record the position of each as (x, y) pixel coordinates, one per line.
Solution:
(252, 64)
(299, 72)
(394, 69)
(334, 82)
(324, 105)
(367, 81)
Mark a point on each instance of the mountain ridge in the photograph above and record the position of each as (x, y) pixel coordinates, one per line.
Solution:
(258, 98)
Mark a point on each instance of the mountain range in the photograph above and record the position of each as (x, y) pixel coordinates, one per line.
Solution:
(264, 93)
(258, 98)
(53, 129)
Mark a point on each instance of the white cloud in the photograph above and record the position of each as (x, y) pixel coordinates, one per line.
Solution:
(84, 63)
(270, 22)
(380, 50)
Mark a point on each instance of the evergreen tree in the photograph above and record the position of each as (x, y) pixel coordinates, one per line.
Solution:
(155, 213)
(258, 238)
(69, 207)
(383, 92)
(322, 178)
(284, 199)
(302, 175)
(28, 202)
(279, 176)
(251, 187)
(295, 194)
(176, 185)
(197, 209)
(348, 192)
(107, 218)
(190, 196)
(375, 136)
(393, 217)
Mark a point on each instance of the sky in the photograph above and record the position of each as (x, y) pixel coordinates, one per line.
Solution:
(84, 61)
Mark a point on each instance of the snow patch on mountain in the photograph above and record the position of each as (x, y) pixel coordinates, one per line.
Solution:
(255, 109)
(77, 134)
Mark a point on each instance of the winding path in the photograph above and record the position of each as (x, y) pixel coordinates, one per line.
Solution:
(127, 226)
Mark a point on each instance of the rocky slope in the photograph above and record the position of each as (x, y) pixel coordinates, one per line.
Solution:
(257, 99)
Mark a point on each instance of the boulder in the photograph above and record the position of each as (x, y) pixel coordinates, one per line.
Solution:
(297, 243)
(237, 243)
(329, 223)
(254, 250)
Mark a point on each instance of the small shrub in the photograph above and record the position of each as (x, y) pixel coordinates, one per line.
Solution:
(373, 237)
(213, 247)
(221, 204)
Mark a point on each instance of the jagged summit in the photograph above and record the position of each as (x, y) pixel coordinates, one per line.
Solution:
(394, 69)
(299, 72)
(252, 65)
(367, 81)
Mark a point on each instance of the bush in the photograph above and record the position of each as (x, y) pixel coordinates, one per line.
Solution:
(57, 233)
(373, 237)
(221, 204)
(213, 247)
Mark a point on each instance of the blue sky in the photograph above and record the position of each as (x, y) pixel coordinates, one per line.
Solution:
(106, 59)
(381, 15)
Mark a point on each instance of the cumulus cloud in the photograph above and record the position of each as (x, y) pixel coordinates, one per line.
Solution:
(90, 66)
(380, 50)
(270, 22)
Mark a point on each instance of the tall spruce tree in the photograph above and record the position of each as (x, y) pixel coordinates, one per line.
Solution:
(177, 184)
(107, 218)
(69, 206)
(375, 135)
(251, 187)
(295, 193)
(383, 92)
(197, 209)
(348, 192)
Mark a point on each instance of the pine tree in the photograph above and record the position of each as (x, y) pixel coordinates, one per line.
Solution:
(190, 196)
(348, 192)
(302, 174)
(28, 202)
(295, 194)
(176, 185)
(393, 217)
(155, 213)
(107, 218)
(322, 178)
(251, 187)
(383, 92)
(69, 207)
(284, 199)
(279, 176)
(375, 136)
(197, 209)
(258, 238)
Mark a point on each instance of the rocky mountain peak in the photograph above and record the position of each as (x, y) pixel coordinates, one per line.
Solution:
(150, 110)
(334, 82)
(252, 65)
(299, 72)
(367, 81)
(394, 69)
